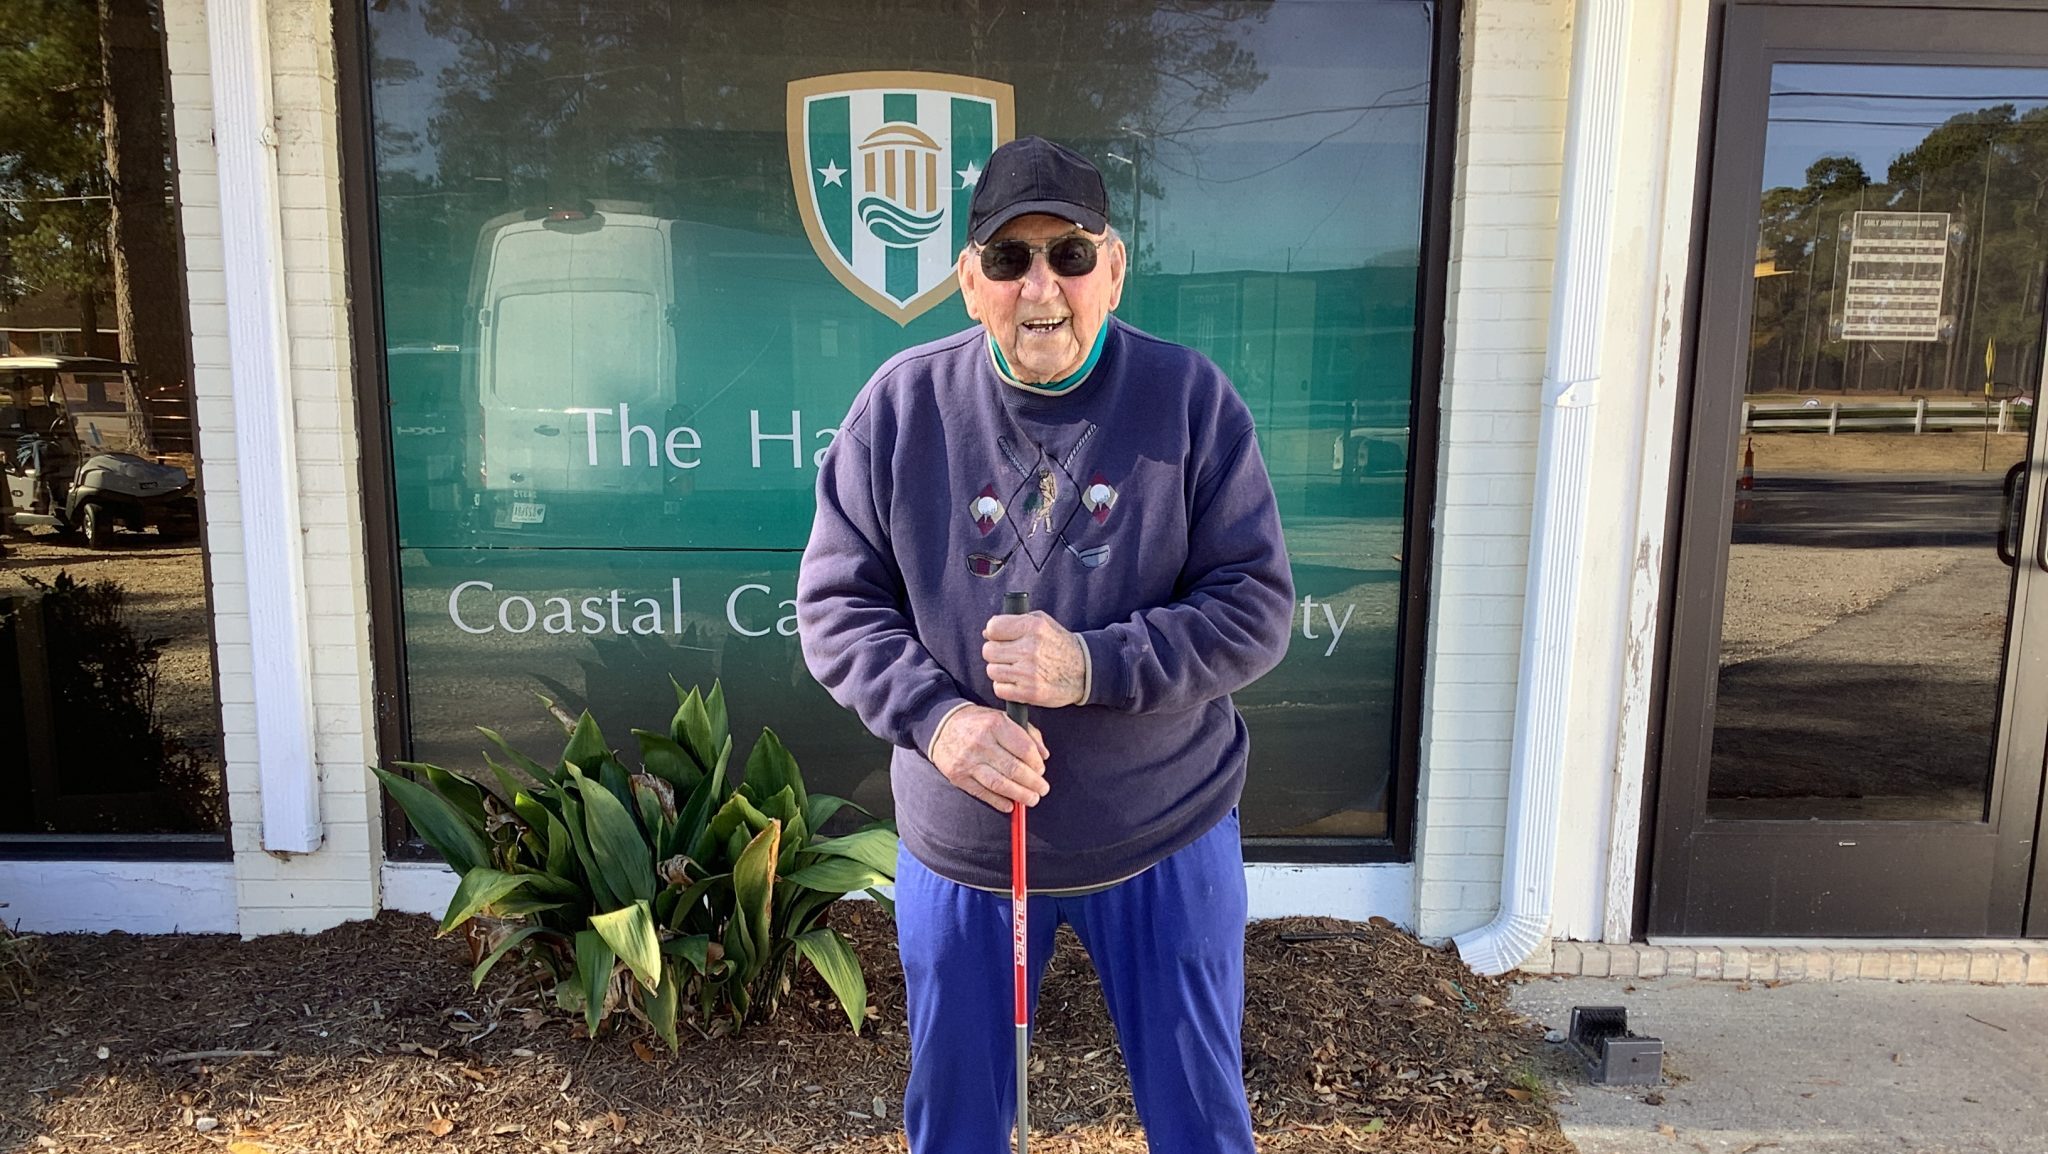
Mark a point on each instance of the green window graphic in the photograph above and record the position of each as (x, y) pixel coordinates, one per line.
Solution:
(635, 270)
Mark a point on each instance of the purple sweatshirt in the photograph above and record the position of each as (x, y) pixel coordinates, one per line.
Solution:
(1135, 509)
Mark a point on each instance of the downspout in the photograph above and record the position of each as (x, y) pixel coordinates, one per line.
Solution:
(1571, 384)
(266, 456)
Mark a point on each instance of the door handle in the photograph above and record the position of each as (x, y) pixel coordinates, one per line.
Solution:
(2008, 516)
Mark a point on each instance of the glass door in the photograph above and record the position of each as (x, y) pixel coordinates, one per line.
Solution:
(1859, 657)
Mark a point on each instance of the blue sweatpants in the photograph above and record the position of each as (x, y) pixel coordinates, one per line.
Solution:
(1168, 946)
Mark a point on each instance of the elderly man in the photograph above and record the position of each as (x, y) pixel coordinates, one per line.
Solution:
(1115, 477)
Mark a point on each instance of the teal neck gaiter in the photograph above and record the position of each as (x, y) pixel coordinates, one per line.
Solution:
(1050, 388)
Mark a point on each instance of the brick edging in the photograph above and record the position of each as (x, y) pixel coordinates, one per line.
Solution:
(1996, 964)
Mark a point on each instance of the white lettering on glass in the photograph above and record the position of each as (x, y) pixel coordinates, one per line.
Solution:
(637, 442)
(590, 429)
(794, 436)
(732, 611)
(617, 612)
(505, 614)
(561, 616)
(682, 439)
(1336, 627)
(1309, 605)
(627, 431)
(455, 607)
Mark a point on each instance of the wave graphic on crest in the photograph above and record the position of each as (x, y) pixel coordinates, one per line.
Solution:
(893, 225)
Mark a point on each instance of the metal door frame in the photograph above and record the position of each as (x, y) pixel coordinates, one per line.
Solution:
(1755, 37)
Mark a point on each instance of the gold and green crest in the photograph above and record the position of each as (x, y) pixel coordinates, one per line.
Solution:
(884, 165)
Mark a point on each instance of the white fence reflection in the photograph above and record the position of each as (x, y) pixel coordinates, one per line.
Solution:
(2012, 415)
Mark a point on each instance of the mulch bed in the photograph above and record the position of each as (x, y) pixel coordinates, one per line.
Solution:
(368, 1038)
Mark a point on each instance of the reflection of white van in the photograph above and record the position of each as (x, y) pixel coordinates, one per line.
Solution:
(572, 308)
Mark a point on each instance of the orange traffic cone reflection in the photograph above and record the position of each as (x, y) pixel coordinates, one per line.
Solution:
(1745, 482)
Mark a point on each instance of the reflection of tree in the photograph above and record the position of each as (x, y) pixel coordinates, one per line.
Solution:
(681, 104)
(1787, 336)
(52, 172)
(1989, 170)
(147, 283)
(85, 172)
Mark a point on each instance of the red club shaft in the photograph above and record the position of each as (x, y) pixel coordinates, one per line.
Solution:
(1019, 603)
(1018, 901)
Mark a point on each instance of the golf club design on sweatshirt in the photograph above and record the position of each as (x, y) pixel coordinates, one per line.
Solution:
(1046, 499)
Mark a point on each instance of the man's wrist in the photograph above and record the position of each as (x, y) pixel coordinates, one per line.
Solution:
(1105, 676)
(932, 746)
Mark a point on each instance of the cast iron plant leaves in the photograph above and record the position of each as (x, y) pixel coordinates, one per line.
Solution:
(649, 890)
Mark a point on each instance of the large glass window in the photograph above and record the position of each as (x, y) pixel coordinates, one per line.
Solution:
(109, 724)
(637, 258)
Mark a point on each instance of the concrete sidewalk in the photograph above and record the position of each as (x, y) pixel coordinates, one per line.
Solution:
(1810, 1067)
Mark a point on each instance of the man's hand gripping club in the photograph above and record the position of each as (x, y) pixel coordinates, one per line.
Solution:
(1031, 659)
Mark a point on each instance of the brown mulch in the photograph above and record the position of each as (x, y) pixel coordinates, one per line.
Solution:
(367, 1038)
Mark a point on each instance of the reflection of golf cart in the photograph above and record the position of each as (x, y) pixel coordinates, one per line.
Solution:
(53, 480)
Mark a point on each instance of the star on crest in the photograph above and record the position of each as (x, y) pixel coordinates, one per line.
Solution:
(969, 175)
(831, 172)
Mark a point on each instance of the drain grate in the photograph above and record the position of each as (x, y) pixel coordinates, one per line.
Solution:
(1612, 1055)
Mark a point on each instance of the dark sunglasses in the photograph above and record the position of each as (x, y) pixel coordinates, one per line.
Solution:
(1011, 259)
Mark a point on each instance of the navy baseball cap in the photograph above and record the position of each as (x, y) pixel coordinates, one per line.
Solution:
(1032, 174)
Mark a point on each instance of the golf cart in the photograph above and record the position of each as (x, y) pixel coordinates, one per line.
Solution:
(55, 480)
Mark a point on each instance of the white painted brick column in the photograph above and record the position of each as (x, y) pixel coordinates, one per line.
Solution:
(1515, 57)
(340, 881)
(1644, 327)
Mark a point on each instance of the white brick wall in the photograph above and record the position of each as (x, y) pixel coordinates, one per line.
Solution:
(339, 882)
(1515, 57)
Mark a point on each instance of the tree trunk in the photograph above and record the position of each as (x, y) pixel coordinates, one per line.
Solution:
(88, 319)
(149, 299)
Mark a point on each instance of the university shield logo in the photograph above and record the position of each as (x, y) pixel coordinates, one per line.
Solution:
(884, 165)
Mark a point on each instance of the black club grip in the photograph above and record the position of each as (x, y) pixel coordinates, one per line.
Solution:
(1016, 604)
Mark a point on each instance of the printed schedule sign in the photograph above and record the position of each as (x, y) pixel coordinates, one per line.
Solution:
(1898, 264)
(629, 293)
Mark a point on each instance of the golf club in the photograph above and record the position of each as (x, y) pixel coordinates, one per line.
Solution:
(1019, 603)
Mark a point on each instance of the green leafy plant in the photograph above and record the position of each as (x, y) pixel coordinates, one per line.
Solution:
(103, 680)
(654, 889)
